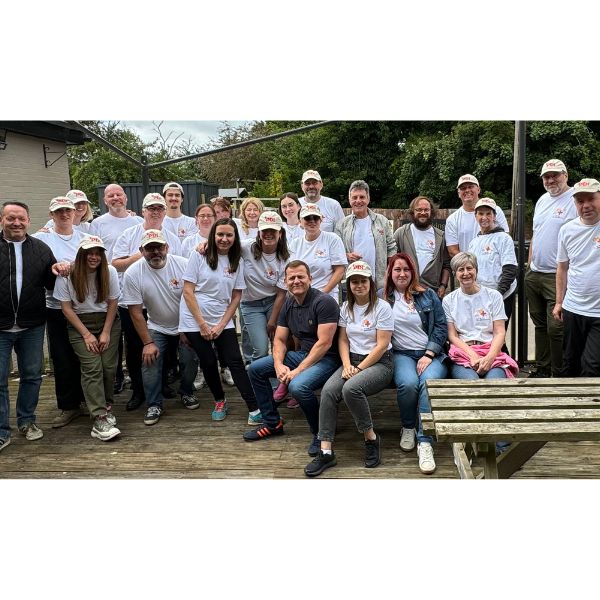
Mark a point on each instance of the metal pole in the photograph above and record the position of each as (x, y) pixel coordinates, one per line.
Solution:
(521, 204)
(145, 175)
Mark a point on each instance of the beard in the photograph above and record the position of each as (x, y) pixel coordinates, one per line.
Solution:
(421, 223)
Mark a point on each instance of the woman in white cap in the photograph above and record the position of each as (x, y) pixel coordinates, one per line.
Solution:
(213, 284)
(63, 240)
(289, 209)
(495, 251)
(88, 299)
(322, 251)
(83, 214)
(420, 334)
(364, 341)
(264, 266)
(248, 222)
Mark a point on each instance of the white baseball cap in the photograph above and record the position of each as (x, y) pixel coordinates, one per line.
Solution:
(553, 166)
(269, 220)
(91, 241)
(153, 199)
(76, 196)
(359, 267)
(153, 236)
(310, 209)
(586, 185)
(61, 202)
(311, 174)
(467, 179)
(172, 184)
(489, 202)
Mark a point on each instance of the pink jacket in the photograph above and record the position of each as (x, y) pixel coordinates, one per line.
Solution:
(503, 360)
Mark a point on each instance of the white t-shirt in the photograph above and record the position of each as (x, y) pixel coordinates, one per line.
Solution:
(580, 245)
(408, 327)
(321, 255)
(331, 210)
(213, 291)
(292, 233)
(493, 250)
(18, 246)
(363, 242)
(159, 290)
(473, 315)
(461, 227)
(182, 226)
(64, 248)
(263, 277)
(129, 241)
(424, 241)
(549, 216)
(362, 329)
(85, 226)
(109, 228)
(189, 244)
(252, 231)
(65, 292)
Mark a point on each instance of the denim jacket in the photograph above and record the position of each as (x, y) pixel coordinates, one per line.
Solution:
(433, 318)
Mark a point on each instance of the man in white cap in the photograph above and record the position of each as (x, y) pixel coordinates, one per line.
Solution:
(331, 209)
(461, 226)
(125, 253)
(175, 221)
(577, 277)
(552, 211)
(156, 282)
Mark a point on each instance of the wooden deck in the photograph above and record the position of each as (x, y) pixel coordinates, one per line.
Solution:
(187, 444)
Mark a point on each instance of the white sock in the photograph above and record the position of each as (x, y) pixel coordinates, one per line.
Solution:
(255, 412)
(327, 451)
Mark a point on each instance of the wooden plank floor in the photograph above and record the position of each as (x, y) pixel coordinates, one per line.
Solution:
(187, 444)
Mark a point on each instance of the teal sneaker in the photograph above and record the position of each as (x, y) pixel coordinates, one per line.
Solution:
(255, 419)
(220, 411)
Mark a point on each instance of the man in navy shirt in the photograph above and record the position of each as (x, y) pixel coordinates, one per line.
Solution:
(312, 317)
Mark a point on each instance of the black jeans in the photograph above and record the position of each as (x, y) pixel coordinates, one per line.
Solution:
(133, 351)
(581, 345)
(228, 350)
(67, 370)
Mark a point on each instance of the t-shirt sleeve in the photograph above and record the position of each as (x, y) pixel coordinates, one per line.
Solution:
(507, 251)
(282, 319)
(327, 310)
(451, 231)
(113, 285)
(281, 278)
(343, 320)
(384, 316)
(337, 252)
(193, 267)
(497, 306)
(501, 220)
(561, 255)
(61, 289)
(447, 306)
(121, 249)
(239, 283)
(132, 294)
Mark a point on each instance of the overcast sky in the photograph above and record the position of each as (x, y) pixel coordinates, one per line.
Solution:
(199, 131)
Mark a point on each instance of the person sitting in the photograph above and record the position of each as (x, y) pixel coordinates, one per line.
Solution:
(364, 342)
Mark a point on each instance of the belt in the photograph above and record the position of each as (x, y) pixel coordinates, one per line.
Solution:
(474, 342)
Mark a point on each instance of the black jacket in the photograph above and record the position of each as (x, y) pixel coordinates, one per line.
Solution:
(30, 309)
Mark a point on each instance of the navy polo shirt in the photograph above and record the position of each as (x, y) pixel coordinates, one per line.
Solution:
(303, 319)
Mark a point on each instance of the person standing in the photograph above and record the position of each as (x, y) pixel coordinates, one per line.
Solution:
(64, 241)
(88, 298)
(289, 210)
(426, 245)
(175, 221)
(331, 210)
(366, 235)
(461, 226)
(577, 284)
(25, 272)
(552, 212)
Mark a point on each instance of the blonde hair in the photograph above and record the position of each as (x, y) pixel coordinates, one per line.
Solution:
(245, 203)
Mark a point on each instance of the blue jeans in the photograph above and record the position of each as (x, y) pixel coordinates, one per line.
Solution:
(412, 392)
(459, 372)
(256, 314)
(29, 348)
(302, 387)
(152, 374)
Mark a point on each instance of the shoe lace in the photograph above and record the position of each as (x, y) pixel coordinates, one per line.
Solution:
(220, 406)
(426, 453)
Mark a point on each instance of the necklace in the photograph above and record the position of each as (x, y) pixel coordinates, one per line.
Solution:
(66, 238)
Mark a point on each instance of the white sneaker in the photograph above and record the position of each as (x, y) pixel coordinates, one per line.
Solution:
(104, 428)
(426, 462)
(199, 382)
(226, 376)
(407, 440)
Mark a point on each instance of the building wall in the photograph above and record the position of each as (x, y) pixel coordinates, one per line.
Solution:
(24, 177)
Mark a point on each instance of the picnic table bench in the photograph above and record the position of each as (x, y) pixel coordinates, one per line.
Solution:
(475, 414)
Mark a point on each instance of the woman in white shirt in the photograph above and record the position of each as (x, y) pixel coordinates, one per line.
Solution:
(322, 251)
(476, 317)
(88, 299)
(289, 209)
(248, 222)
(364, 341)
(420, 334)
(264, 274)
(212, 289)
(495, 252)
(205, 217)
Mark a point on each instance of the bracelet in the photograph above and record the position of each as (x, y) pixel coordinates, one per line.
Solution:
(358, 369)
(431, 356)
(148, 343)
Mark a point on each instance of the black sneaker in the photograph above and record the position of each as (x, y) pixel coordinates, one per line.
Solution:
(540, 373)
(318, 464)
(134, 402)
(315, 447)
(263, 432)
(373, 452)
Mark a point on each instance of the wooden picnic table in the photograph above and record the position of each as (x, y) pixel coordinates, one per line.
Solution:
(475, 414)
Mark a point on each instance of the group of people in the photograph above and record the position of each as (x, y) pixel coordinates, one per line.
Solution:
(171, 286)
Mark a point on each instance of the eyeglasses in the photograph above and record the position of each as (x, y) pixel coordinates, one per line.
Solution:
(550, 176)
(311, 218)
(155, 208)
